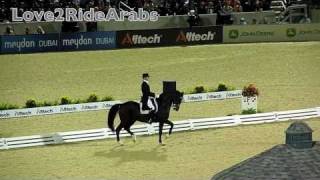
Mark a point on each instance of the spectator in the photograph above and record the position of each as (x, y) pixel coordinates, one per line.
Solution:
(194, 19)
(9, 30)
(27, 31)
(40, 30)
(264, 21)
(243, 21)
(254, 21)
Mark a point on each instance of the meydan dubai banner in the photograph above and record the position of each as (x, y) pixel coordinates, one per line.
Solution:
(58, 42)
(30, 43)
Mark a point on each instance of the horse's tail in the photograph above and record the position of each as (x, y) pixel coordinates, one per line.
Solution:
(112, 114)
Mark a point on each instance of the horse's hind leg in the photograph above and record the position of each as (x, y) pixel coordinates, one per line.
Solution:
(171, 126)
(118, 129)
(134, 138)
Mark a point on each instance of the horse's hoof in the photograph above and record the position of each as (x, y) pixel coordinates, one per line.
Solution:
(120, 143)
(134, 138)
(162, 144)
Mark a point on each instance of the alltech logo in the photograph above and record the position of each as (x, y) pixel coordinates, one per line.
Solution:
(134, 39)
(195, 37)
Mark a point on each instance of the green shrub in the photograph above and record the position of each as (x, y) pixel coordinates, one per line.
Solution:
(31, 103)
(199, 89)
(92, 98)
(231, 88)
(231, 114)
(249, 111)
(78, 101)
(47, 103)
(5, 106)
(65, 100)
(107, 98)
(13, 106)
(222, 87)
(55, 103)
(39, 104)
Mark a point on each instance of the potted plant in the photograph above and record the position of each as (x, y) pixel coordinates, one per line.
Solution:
(250, 98)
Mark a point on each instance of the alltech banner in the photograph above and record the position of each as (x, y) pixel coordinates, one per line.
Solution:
(145, 38)
(169, 37)
(199, 35)
(271, 33)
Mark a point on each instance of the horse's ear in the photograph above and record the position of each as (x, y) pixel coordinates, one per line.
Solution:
(182, 93)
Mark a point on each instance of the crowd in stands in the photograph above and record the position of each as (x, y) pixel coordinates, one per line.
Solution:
(163, 7)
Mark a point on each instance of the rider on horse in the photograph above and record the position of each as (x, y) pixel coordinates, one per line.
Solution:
(147, 94)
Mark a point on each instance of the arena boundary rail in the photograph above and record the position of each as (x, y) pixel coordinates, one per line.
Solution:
(147, 129)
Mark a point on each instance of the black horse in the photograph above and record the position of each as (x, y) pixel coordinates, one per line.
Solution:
(129, 112)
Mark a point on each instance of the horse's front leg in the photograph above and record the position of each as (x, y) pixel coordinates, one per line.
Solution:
(160, 132)
(170, 124)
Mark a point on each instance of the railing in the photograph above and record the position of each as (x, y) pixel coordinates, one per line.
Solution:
(146, 129)
(293, 11)
(17, 113)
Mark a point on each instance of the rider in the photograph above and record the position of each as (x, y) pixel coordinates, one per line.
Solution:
(146, 93)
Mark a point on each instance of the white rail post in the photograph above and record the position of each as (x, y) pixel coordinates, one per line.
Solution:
(57, 138)
(5, 144)
(150, 129)
(276, 116)
(318, 109)
(191, 125)
(106, 133)
(237, 120)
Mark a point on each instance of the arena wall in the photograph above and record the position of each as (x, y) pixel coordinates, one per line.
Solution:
(158, 37)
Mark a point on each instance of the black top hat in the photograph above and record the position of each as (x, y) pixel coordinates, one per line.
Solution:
(145, 75)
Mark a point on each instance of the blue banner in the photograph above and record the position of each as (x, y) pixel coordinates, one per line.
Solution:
(29, 43)
(88, 41)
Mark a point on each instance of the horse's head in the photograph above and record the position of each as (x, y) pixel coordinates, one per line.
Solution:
(177, 99)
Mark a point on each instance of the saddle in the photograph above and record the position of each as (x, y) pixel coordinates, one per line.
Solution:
(152, 103)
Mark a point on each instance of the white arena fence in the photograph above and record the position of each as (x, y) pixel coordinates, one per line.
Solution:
(17, 113)
(147, 129)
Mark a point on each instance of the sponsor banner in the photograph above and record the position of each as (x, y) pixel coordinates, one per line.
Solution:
(145, 38)
(47, 110)
(212, 96)
(15, 113)
(234, 94)
(195, 97)
(302, 32)
(87, 41)
(169, 37)
(216, 95)
(29, 43)
(271, 33)
(6, 114)
(199, 35)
